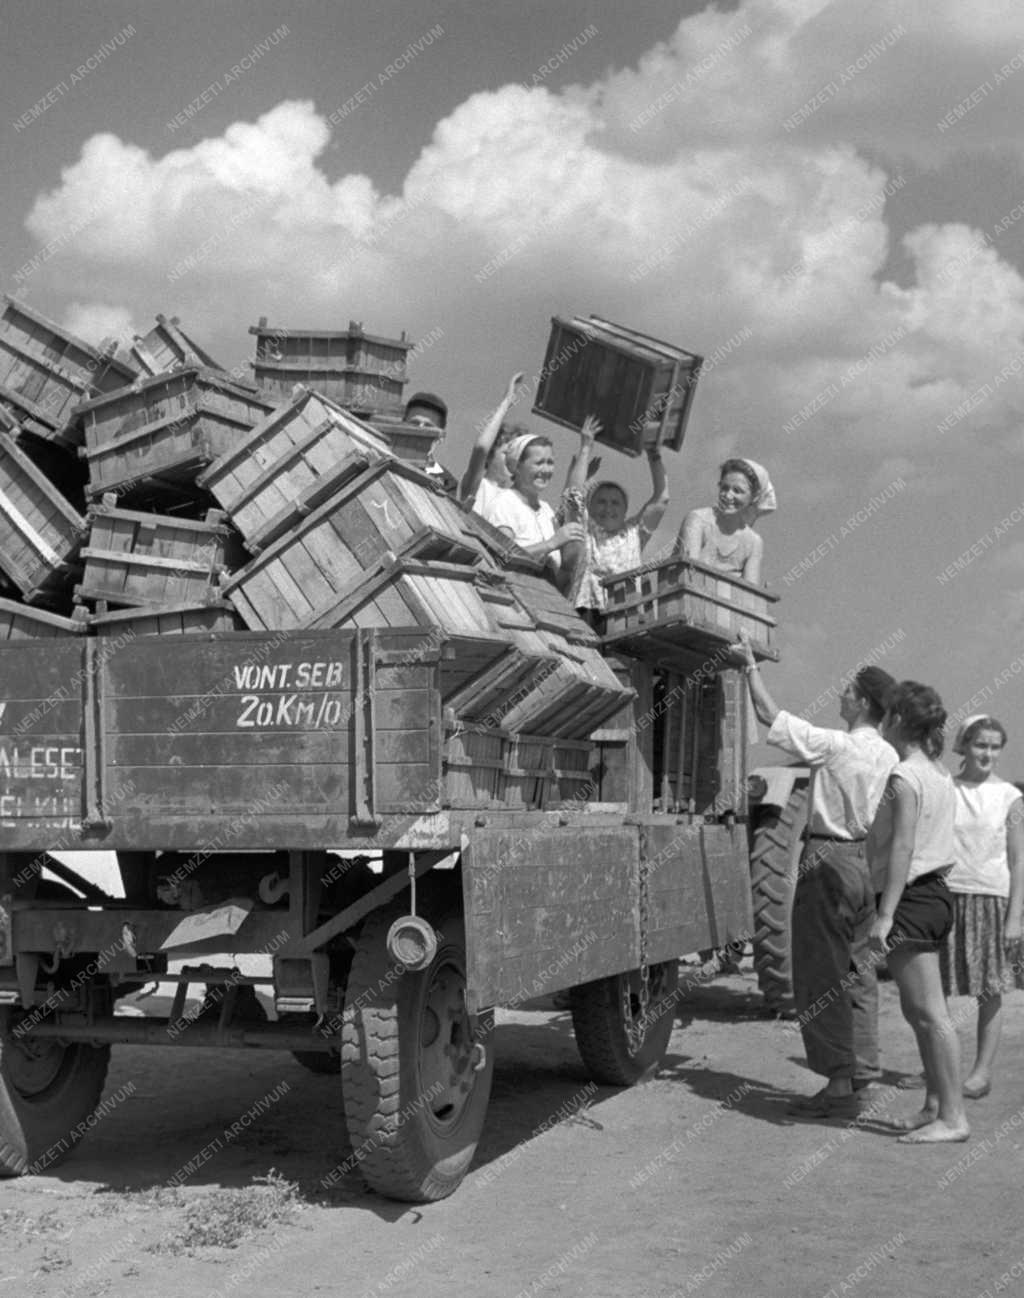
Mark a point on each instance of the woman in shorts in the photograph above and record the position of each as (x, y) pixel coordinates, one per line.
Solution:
(910, 848)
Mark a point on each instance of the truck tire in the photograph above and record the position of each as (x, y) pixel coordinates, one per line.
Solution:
(599, 1021)
(46, 1091)
(415, 1066)
(774, 860)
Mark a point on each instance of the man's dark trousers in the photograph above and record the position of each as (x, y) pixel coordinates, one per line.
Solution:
(835, 987)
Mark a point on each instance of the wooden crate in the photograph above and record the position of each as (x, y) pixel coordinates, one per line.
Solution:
(40, 533)
(682, 604)
(555, 682)
(410, 442)
(488, 694)
(575, 689)
(529, 772)
(179, 619)
(18, 622)
(573, 780)
(487, 767)
(45, 372)
(323, 563)
(160, 432)
(548, 607)
(287, 462)
(360, 370)
(572, 696)
(167, 347)
(697, 724)
(473, 764)
(151, 559)
(640, 388)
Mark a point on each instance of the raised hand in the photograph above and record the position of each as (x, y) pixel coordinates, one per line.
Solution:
(591, 427)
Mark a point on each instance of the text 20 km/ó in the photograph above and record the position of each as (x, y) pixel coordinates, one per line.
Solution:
(294, 710)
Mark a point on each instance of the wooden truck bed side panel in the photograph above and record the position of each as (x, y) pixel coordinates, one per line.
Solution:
(207, 741)
(698, 885)
(547, 907)
(41, 741)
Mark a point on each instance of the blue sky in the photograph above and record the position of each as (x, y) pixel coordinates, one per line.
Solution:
(829, 197)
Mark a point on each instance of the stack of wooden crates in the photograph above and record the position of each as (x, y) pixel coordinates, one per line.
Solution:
(178, 498)
(161, 494)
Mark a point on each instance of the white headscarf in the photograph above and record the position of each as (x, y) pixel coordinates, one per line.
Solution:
(958, 743)
(515, 448)
(765, 502)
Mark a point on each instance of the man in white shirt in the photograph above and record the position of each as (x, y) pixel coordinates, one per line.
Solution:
(834, 983)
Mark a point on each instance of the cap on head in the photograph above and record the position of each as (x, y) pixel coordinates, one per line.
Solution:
(430, 402)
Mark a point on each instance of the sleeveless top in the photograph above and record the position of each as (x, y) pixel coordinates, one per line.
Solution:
(979, 837)
(936, 809)
(728, 553)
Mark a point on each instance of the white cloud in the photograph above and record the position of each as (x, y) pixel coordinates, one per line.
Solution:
(709, 218)
(98, 321)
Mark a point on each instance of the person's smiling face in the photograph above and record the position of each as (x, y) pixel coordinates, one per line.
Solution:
(607, 507)
(734, 493)
(535, 469)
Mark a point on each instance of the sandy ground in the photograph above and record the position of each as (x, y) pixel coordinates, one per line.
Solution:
(695, 1183)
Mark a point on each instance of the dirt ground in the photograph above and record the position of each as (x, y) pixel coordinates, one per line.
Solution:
(695, 1183)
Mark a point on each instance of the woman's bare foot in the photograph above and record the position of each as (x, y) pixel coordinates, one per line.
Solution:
(922, 1118)
(936, 1133)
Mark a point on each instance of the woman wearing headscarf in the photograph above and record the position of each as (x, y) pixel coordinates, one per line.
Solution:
(982, 954)
(520, 511)
(722, 535)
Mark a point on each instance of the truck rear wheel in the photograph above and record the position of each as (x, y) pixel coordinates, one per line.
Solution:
(416, 1067)
(46, 1091)
(774, 862)
(619, 1050)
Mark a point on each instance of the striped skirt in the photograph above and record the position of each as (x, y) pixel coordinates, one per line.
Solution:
(974, 960)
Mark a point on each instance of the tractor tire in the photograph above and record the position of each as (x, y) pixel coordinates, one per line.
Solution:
(47, 1090)
(774, 861)
(416, 1067)
(602, 1035)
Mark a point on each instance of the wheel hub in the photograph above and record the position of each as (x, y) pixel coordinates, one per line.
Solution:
(32, 1065)
(446, 1047)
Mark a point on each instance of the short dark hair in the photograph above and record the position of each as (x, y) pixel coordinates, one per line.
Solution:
(431, 402)
(875, 686)
(921, 713)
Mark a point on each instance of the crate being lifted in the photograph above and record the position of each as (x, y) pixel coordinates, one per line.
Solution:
(640, 388)
(287, 463)
(356, 369)
(153, 437)
(45, 372)
(135, 558)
